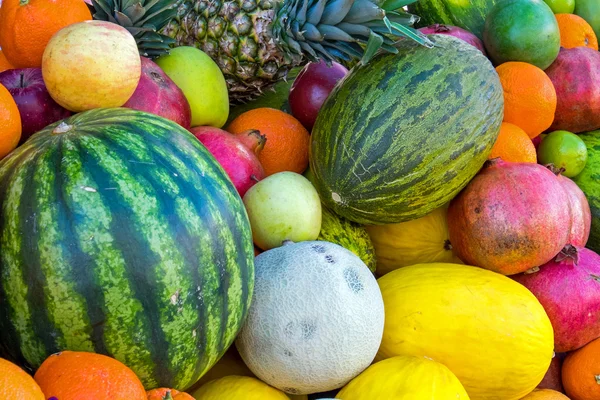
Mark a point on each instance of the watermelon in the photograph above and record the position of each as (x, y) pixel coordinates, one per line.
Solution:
(120, 234)
(469, 15)
(588, 181)
(401, 136)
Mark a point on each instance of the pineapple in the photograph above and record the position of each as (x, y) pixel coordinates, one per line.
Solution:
(256, 42)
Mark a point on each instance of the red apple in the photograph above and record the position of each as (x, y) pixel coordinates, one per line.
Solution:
(157, 94)
(36, 107)
(310, 89)
(238, 155)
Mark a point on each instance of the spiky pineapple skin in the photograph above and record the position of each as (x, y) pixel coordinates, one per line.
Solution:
(237, 35)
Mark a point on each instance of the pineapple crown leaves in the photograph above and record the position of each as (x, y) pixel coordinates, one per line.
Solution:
(143, 19)
(343, 29)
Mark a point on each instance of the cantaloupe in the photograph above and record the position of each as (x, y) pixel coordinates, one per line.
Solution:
(316, 318)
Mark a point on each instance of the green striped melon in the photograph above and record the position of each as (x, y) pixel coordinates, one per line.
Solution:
(589, 182)
(120, 234)
(466, 14)
(401, 136)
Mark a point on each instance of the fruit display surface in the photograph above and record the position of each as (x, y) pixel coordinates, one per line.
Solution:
(299, 200)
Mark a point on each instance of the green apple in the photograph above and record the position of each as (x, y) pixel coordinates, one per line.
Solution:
(590, 11)
(202, 83)
(283, 206)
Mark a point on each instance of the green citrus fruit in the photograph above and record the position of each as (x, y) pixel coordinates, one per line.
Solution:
(565, 150)
(522, 30)
(561, 6)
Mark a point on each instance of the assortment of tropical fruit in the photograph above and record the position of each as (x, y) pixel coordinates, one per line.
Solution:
(299, 199)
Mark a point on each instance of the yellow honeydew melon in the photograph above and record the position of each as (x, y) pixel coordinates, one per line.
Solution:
(316, 318)
(405, 377)
(422, 240)
(235, 387)
(489, 330)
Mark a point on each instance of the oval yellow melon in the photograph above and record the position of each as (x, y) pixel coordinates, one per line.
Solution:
(489, 330)
(423, 240)
(404, 377)
(545, 394)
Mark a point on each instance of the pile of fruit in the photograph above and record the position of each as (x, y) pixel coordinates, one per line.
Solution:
(299, 199)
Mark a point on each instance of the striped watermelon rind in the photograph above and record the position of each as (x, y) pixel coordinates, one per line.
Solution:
(122, 236)
(588, 181)
(404, 134)
(469, 15)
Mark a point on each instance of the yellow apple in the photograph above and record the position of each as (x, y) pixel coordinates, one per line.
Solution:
(91, 64)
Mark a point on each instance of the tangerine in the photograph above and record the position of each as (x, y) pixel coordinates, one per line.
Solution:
(10, 123)
(32, 23)
(513, 145)
(287, 143)
(75, 375)
(529, 97)
(575, 32)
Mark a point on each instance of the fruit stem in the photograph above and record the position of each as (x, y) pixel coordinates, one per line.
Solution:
(253, 140)
(254, 178)
(441, 28)
(63, 127)
(597, 379)
(447, 245)
(23, 2)
(554, 170)
(568, 252)
(492, 161)
(22, 79)
(168, 396)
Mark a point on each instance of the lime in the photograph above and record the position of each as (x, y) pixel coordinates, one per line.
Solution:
(561, 6)
(565, 150)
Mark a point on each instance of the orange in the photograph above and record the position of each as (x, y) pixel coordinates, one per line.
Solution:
(575, 32)
(4, 64)
(287, 143)
(17, 384)
(168, 394)
(529, 97)
(28, 25)
(545, 394)
(10, 123)
(513, 145)
(581, 372)
(72, 375)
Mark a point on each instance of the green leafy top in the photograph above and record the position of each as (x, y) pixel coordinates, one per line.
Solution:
(343, 29)
(143, 19)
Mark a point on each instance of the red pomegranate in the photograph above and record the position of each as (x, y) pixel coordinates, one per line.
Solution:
(157, 94)
(569, 289)
(576, 77)
(511, 217)
(553, 378)
(441, 29)
(237, 157)
(580, 212)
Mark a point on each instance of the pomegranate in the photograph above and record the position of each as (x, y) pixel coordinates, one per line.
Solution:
(553, 378)
(576, 77)
(580, 212)
(157, 94)
(463, 34)
(311, 88)
(511, 217)
(238, 158)
(569, 289)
